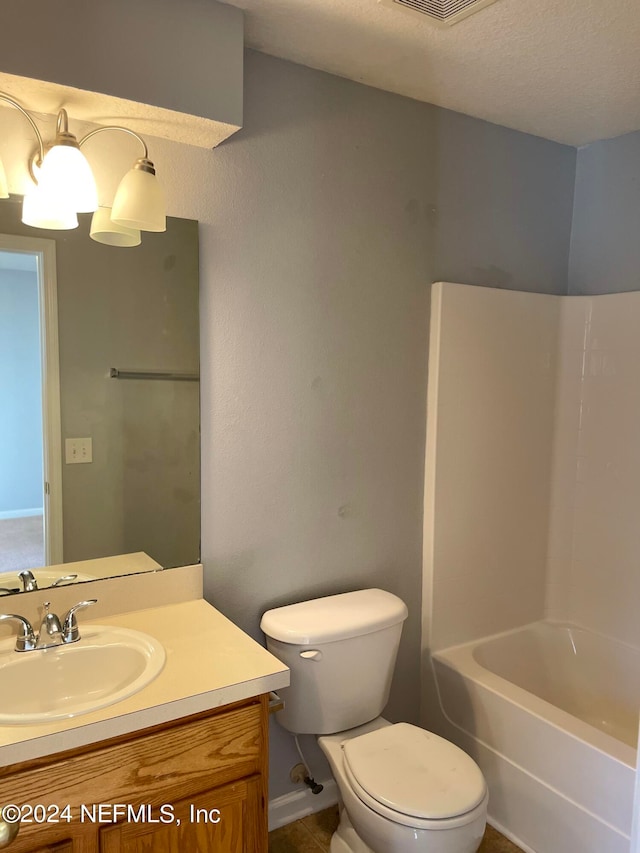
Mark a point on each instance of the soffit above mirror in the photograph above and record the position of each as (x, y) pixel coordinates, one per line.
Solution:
(165, 69)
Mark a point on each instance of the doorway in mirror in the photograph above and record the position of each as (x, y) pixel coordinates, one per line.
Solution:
(30, 475)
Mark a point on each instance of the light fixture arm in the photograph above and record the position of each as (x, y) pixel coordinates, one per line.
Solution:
(143, 164)
(63, 137)
(15, 104)
(117, 127)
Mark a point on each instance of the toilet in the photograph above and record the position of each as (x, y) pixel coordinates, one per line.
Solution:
(402, 789)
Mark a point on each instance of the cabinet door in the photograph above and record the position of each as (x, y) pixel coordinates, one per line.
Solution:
(224, 820)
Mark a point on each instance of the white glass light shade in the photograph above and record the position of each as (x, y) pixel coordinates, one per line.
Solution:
(139, 202)
(4, 186)
(39, 212)
(104, 230)
(66, 176)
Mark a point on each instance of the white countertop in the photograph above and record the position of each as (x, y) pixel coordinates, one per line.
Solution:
(210, 662)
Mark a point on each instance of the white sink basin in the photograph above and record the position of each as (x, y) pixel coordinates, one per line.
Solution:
(105, 666)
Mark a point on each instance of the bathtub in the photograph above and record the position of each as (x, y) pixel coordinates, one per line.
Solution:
(550, 713)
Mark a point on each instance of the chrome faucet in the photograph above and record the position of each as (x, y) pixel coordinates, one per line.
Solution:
(50, 633)
(29, 583)
(53, 632)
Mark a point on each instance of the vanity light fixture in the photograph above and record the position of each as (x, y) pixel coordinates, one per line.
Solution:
(139, 201)
(4, 186)
(63, 186)
(65, 177)
(105, 230)
(40, 211)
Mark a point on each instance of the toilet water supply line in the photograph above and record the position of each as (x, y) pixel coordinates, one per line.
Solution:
(308, 780)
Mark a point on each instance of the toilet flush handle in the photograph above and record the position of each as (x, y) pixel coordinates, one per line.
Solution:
(314, 654)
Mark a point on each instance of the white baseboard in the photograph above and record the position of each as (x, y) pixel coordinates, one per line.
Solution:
(20, 513)
(297, 804)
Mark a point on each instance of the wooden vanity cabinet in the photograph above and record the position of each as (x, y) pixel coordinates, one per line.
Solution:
(196, 785)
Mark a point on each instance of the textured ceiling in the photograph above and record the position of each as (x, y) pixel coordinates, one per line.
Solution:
(568, 70)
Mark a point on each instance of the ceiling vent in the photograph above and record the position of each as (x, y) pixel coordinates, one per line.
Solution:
(446, 12)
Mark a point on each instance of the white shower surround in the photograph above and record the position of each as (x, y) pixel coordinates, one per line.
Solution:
(532, 480)
(593, 575)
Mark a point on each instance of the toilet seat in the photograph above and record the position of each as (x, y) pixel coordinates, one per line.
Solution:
(414, 777)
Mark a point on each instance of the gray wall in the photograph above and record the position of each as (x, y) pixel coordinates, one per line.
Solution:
(21, 393)
(605, 242)
(334, 209)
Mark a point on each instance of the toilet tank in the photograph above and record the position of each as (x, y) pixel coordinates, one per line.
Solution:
(341, 651)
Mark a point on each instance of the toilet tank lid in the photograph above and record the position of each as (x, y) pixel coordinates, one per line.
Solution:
(334, 617)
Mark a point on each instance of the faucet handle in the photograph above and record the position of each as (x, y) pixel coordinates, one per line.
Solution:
(70, 631)
(26, 639)
(64, 579)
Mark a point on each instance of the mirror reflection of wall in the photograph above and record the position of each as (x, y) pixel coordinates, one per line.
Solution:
(132, 309)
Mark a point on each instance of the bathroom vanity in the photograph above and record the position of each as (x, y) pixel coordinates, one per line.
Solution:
(179, 766)
(198, 783)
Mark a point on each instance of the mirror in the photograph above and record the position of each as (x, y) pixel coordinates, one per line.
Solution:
(126, 497)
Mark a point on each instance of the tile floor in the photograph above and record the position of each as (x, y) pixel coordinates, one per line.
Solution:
(312, 835)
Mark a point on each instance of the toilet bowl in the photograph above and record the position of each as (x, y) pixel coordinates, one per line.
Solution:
(404, 790)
